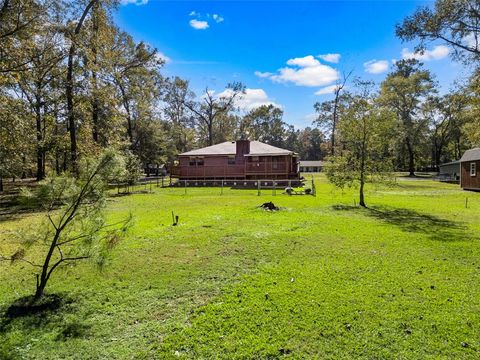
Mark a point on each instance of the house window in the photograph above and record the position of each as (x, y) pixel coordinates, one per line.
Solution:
(473, 169)
(254, 158)
(274, 163)
(231, 160)
(196, 162)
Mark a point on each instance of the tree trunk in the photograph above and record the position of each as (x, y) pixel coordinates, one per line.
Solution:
(210, 134)
(72, 128)
(69, 90)
(95, 102)
(362, 197)
(1, 183)
(411, 158)
(40, 154)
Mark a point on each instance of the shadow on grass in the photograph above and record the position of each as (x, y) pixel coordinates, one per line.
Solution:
(409, 220)
(47, 315)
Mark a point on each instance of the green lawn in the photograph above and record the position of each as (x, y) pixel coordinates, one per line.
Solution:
(318, 279)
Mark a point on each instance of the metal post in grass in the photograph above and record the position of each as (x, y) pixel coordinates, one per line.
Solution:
(259, 183)
(185, 187)
(274, 190)
(314, 190)
(162, 180)
(221, 190)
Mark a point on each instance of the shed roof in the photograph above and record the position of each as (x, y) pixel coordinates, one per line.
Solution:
(471, 155)
(257, 148)
(312, 162)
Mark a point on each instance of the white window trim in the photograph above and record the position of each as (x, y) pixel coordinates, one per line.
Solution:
(473, 169)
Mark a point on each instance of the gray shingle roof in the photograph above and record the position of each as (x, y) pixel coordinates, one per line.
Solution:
(471, 155)
(257, 148)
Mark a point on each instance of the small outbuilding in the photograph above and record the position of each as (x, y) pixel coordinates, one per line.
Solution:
(449, 172)
(470, 165)
(311, 166)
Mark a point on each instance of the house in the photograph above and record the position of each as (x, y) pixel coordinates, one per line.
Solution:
(449, 171)
(470, 166)
(311, 166)
(237, 160)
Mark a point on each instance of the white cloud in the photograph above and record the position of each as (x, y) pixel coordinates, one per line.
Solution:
(263, 75)
(304, 71)
(198, 24)
(193, 13)
(437, 53)
(135, 2)
(252, 99)
(332, 58)
(376, 66)
(217, 18)
(162, 57)
(307, 61)
(327, 90)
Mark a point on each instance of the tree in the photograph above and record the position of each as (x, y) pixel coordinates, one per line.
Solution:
(448, 116)
(77, 231)
(365, 131)
(209, 108)
(265, 123)
(178, 116)
(455, 22)
(330, 111)
(73, 36)
(403, 91)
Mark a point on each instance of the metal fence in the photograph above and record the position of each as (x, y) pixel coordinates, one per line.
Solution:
(264, 186)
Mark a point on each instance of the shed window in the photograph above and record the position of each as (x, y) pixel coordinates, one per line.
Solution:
(200, 162)
(192, 162)
(473, 169)
(231, 160)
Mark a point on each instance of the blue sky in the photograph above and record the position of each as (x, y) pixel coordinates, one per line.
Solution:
(277, 48)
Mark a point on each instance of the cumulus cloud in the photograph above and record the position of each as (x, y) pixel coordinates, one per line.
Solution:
(303, 71)
(376, 66)
(332, 58)
(437, 53)
(217, 18)
(327, 90)
(252, 99)
(135, 2)
(192, 13)
(199, 24)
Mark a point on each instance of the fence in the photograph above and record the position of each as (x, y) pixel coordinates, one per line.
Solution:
(289, 187)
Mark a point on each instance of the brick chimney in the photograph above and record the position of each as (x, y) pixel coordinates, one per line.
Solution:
(243, 147)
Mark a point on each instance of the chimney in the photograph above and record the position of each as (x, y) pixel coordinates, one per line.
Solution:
(243, 147)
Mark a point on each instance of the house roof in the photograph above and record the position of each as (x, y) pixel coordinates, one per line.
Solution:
(312, 163)
(257, 148)
(471, 155)
(456, 162)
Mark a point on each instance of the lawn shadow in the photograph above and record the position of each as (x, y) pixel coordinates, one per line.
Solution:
(409, 220)
(45, 316)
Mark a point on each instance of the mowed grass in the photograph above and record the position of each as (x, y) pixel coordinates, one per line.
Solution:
(319, 279)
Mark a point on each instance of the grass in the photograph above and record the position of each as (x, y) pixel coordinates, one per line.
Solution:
(319, 279)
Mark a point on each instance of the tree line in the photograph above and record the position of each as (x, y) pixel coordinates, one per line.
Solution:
(72, 83)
